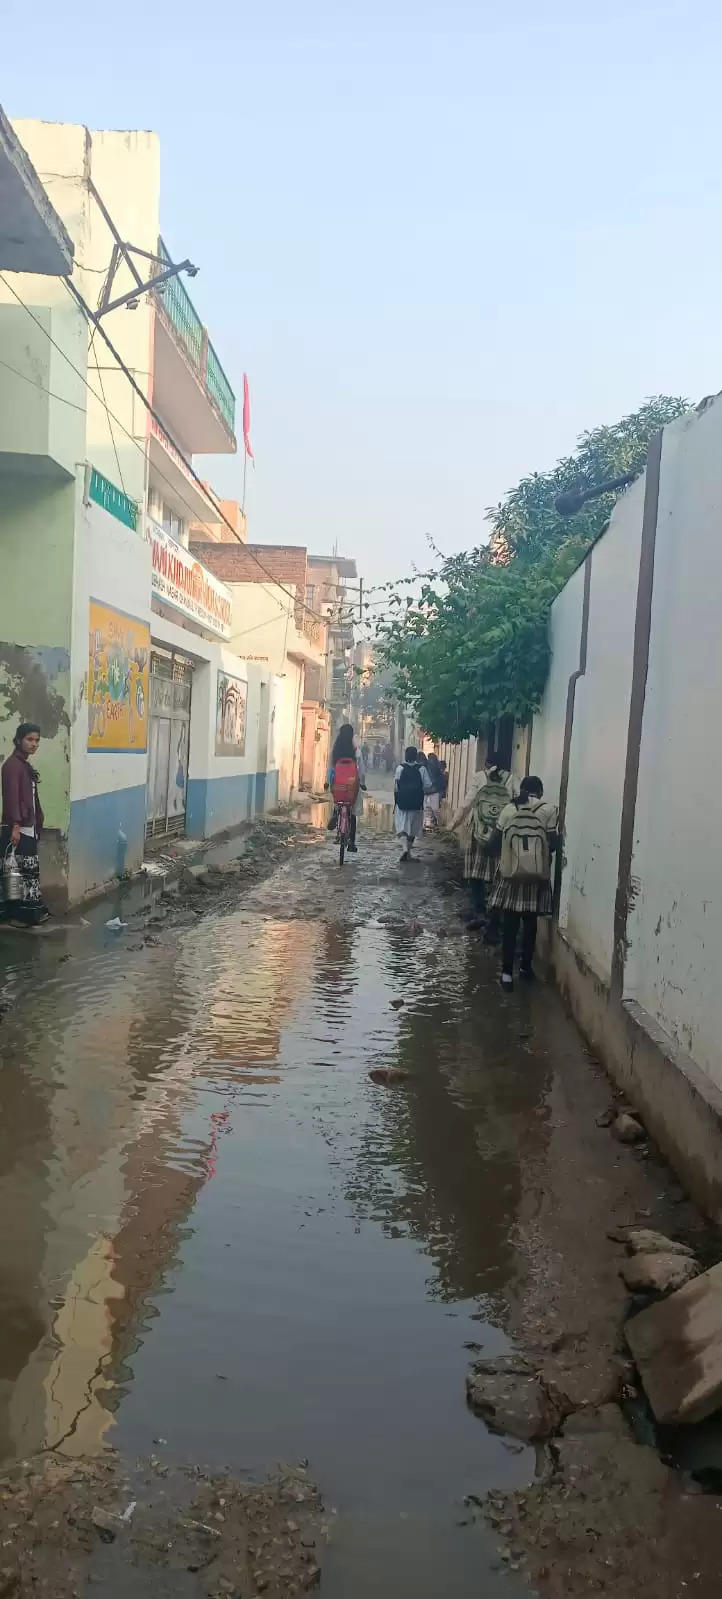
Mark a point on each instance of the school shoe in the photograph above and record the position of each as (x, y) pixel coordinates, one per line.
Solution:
(352, 849)
(527, 973)
(507, 981)
(404, 857)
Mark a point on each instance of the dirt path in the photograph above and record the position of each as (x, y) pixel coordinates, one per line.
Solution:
(230, 1238)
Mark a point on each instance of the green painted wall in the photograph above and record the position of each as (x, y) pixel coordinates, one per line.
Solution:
(36, 591)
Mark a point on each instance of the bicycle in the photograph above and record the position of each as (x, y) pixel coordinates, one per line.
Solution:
(343, 829)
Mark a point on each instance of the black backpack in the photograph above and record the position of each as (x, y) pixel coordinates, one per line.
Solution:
(410, 789)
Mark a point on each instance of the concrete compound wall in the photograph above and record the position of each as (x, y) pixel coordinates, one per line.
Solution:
(675, 922)
(286, 713)
(466, 760)
(107, 788)
(636, 949)
(598, 749)
(547, 744)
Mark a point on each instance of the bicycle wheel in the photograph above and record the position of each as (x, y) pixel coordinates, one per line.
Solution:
(342, 833)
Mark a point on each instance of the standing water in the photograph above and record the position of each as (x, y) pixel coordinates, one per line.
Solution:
(227, 1236)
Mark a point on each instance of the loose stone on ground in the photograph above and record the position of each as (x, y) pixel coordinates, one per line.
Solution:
(677, 1346)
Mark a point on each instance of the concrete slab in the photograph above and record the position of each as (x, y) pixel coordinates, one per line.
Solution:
(677, 1346)
(32, 236)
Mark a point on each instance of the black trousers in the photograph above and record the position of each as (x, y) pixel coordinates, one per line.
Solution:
(510, 933)
(477, 890)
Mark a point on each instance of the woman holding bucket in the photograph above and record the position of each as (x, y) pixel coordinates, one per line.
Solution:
(22, 819)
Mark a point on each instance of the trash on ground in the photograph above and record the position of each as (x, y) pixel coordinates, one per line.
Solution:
(388, 1075)
(107, 1522)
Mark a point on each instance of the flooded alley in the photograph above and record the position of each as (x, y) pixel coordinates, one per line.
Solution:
(228, 1246)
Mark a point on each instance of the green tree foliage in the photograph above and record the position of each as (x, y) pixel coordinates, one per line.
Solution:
(472, 645)
(526, 523)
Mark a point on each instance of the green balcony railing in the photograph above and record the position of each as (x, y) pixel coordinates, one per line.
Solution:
(219, 388)
(184, 318)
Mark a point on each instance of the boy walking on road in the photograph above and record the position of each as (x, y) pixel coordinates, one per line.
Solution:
(411, 784)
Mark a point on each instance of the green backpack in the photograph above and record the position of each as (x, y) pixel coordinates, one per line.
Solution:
(489, 803)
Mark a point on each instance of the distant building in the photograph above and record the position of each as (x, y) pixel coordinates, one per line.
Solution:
(274, 625)
(329, 593)
(220, 532)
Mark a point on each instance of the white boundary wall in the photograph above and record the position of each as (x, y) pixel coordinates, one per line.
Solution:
(674, 924)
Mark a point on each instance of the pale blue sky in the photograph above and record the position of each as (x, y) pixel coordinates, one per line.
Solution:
(441, 238)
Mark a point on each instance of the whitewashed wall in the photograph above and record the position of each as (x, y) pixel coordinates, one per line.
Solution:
(107, 789)
(675, 925)
(223, 790)
(565, 629)
(286, 722)
(599, 742)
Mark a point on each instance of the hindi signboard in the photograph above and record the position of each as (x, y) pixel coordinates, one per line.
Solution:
(181, 581)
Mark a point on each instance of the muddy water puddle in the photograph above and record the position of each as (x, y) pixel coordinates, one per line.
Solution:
(226, 1237)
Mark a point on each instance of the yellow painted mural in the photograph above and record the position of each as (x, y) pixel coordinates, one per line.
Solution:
(118, 673)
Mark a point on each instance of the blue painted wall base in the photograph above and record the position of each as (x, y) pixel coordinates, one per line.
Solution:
(105, 839)
(216, 803)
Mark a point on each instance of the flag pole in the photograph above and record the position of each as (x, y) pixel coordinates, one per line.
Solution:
(246, 435)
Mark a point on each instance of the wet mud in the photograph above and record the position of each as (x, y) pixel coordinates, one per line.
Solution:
(227, 1235)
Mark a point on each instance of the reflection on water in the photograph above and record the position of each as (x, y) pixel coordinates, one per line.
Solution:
(375, 813)
(225, 1235)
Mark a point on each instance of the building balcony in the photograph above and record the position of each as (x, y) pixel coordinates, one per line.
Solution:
(32, 236)
(190, 388)
(307, 640)
(169, 474)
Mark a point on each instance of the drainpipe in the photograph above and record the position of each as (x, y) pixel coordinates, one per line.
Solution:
(640, 665)
(568, 730)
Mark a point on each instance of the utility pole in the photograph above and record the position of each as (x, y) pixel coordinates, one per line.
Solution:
(360, 599)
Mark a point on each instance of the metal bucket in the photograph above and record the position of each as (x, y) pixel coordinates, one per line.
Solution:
(12, 876)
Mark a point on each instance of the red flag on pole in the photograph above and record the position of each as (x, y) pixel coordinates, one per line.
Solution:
(247, 417)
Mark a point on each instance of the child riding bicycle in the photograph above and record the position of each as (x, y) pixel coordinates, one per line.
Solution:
(346, 779)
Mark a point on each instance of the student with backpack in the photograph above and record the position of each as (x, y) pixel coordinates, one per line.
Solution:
(432, 803)
(411, 784)
(479, 868)
(524, 839)
(346, 779)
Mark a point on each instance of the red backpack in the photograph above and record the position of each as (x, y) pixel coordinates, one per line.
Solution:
(346, 781)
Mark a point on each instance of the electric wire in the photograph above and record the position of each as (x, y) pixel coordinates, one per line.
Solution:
(85, 308)
(101, 401)
(137, 389)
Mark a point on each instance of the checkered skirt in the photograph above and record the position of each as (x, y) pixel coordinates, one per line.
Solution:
(528, 898)
(477, 864)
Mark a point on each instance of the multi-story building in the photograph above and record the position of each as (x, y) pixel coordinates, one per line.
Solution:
(329, 592)
(114, 637)
(274, 625)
